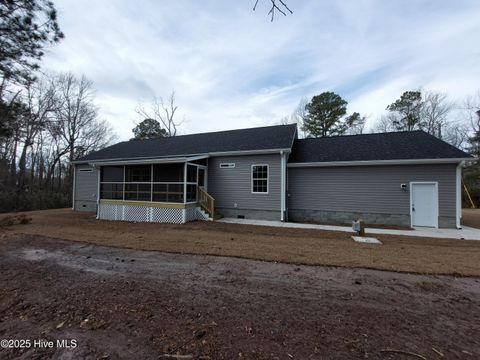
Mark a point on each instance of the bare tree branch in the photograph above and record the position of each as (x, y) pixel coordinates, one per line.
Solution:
(163, 112)
(282, 9)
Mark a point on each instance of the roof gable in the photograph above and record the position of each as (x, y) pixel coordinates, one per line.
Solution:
(252, 139)
(407, 145)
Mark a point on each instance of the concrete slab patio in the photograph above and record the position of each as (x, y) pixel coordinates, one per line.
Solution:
(466, 233)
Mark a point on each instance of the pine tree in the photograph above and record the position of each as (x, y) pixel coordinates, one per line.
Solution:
(148, 129)
(408, 107)
(26, 27)
(326, 116)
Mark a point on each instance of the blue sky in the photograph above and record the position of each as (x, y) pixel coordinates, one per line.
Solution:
(232, 68)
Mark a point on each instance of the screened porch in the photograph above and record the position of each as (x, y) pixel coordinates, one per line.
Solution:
(175, 183)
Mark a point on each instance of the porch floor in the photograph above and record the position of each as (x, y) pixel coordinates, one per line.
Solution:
(466, 233)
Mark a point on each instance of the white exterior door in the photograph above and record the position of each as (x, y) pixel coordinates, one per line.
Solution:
(424, 204)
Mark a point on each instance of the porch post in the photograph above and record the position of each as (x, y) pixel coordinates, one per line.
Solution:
(185, 183)
(151, 182)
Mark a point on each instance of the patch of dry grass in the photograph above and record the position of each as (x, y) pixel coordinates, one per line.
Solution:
(471, 217)
(301, 246)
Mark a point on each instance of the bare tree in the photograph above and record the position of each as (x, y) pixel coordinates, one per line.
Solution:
(76, 130)
(456, 134)
(39, 99)
(386, 123)
(276, 6)
(299, 115)
(471, 108)
(472, 116)
(434, 112)
(77, 123)
(48, 123)
(286, 120)
(296, 117)
(163, 112)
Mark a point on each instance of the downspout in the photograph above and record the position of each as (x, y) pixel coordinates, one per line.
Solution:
(74, 185)
(98, 189)
(282, 186)
(458, 195)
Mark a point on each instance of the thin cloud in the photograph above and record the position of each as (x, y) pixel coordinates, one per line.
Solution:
(231, 67)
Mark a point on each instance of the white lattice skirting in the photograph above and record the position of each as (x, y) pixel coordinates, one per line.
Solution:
(149, 214)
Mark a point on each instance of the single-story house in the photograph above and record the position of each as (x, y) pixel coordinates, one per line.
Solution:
(399, 178)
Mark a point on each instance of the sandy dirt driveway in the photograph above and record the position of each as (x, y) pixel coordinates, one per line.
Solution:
(126, 304)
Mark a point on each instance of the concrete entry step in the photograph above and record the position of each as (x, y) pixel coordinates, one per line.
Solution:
(367, 240)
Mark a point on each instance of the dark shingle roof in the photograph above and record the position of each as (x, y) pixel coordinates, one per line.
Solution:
(367, 147)
(261, 138)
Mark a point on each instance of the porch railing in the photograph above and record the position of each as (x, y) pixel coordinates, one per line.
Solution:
(206, 201)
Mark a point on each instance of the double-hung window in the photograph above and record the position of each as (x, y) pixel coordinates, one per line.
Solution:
(260, 179)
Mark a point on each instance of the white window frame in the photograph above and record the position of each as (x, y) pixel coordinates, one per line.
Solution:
(227, 166)
(268, 179)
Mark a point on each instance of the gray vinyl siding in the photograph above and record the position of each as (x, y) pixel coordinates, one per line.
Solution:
(233, 186)
(368, 189)
(86, 186)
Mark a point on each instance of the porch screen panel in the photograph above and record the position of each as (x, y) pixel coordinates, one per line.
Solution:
(138, 173)
(138, 192)
(112, 174)
(111, 186)
(168, 173)
(191, 183)
(168, 192)
(191, 192)
(146, 183)
(111, 191)
(191, 174)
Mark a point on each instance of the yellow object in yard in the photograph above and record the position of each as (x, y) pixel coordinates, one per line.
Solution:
(468, 195)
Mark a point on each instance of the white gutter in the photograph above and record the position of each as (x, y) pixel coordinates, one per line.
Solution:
(134, 162)
(458, 195)
(247, 152)
(188, 157)
(380, 162)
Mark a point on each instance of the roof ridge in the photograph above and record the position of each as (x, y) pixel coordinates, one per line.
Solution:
(367, 134)
(213, 132)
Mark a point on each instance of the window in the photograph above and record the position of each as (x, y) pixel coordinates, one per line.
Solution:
(85, 170)
(260, 179)
(227, 165)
